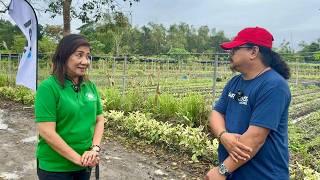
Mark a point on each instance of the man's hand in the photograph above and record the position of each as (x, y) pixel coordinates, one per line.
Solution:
(213, 174)
(235, 148)
(90, 158)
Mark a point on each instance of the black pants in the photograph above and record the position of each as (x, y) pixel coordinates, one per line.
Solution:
(75, 175)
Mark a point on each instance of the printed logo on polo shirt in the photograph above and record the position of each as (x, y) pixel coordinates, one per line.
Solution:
(90, 96)
(242, 100)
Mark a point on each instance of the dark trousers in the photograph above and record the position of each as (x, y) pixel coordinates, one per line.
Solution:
(75, 175)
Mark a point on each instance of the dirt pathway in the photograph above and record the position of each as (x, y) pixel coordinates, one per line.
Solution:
(17, 145)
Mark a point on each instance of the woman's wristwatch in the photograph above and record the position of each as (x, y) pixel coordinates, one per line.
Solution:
(95, 148)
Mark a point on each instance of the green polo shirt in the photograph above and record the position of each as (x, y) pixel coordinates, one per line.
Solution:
(75, 116)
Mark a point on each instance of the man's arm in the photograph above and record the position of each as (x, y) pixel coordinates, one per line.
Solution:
(217, 123)
(254, 138)
(236, 149)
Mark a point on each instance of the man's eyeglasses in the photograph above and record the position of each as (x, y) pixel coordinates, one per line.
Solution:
(233, 50)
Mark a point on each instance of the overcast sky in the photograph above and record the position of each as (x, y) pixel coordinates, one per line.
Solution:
(291, 20)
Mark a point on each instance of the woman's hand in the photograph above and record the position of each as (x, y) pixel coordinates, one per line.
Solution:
(235, 148)
(90, 158)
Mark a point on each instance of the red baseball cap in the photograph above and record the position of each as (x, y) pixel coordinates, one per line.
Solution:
(255, 35)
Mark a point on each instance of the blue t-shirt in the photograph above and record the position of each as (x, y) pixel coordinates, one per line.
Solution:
(264, 102)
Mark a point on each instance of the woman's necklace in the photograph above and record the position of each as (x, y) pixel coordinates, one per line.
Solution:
(75, 86)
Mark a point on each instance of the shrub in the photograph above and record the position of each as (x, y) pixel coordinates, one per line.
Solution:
(193, 109)
(188, 139)
(18, 94)
(111, 99)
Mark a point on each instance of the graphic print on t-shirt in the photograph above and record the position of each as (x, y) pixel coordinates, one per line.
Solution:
(242, 100)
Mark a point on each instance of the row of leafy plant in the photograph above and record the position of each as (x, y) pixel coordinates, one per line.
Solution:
(303, 139)
(191, 110)
(305, 145)
(304, 108)
(305, 97)
(176, 137)
(17, 94)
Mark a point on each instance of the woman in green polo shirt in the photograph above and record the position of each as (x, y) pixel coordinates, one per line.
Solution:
(68, 115)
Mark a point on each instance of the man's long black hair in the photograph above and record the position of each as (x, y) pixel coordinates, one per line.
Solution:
(273, 60)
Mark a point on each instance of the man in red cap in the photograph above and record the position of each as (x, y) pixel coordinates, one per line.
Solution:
(250, 119)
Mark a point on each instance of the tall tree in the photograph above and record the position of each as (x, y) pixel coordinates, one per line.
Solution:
(285, 48)
(312, 47)
(177, 35)
(54, 32)
(86, 11)
(157, 38)
(110, 31)
(7, 34)
(132, 40)
(217, 39)
(310, 51)
(203, 39)
(146, 41)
